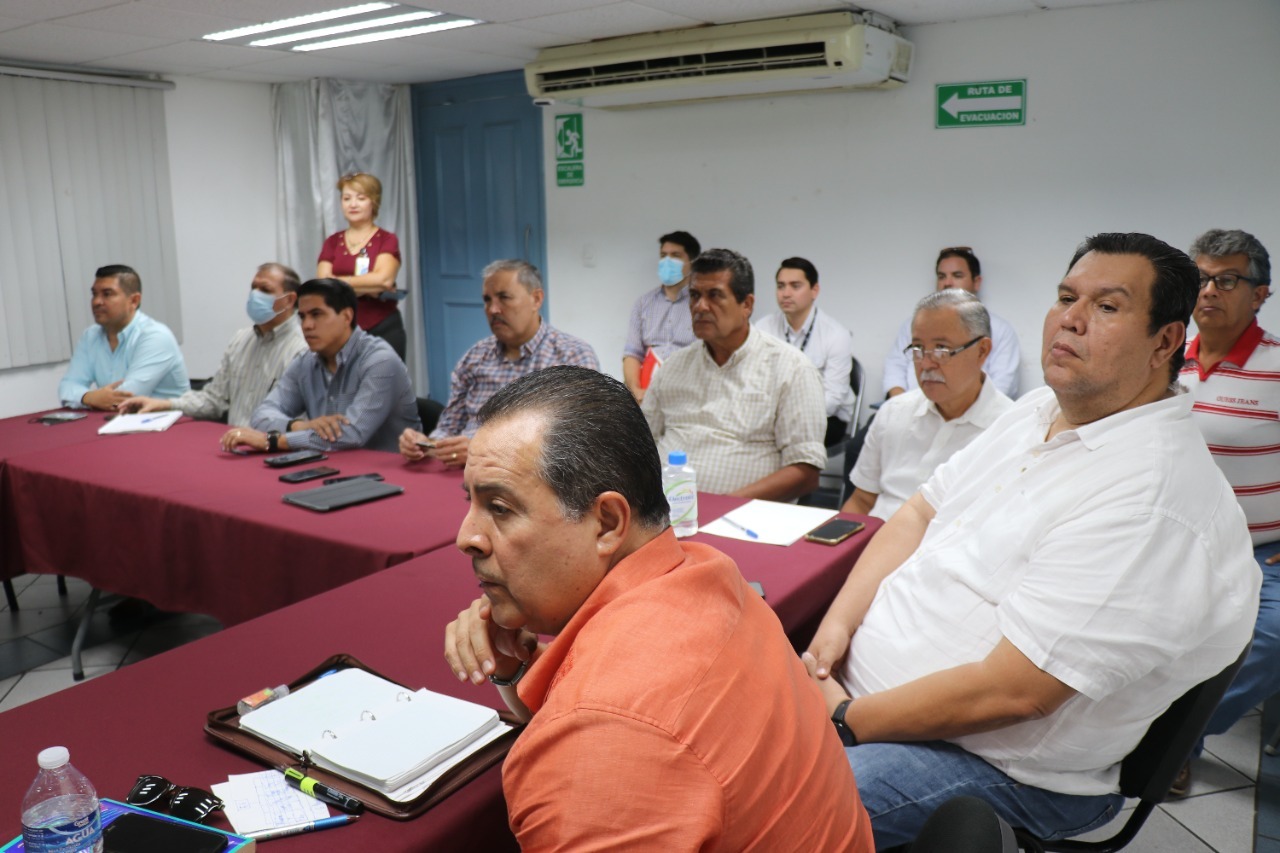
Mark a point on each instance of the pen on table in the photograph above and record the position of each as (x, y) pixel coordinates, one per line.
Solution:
(149, 420)
(747, 530)
(319, 791)
(299, 828)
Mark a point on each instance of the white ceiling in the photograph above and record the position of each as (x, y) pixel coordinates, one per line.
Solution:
(163, 36)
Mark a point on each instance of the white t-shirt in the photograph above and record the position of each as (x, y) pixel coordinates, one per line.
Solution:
(909, 438)
(1114, 556)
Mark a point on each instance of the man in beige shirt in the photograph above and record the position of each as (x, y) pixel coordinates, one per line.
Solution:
(748, 409)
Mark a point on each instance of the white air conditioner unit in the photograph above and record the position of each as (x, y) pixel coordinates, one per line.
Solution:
(836, 50)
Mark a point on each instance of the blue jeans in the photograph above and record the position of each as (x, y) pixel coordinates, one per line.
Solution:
(1259, 678)
(902, 783)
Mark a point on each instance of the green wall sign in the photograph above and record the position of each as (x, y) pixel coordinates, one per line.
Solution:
(993, 103)
(569, 151)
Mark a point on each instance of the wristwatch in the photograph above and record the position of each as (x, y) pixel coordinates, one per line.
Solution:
(273, 441)
(847, 737)
(514, 679)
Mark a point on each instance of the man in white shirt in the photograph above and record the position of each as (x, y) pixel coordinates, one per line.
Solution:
(915, 432)
(958, 266)
(253, 360)
(1013, 630)
(745, 407)
(828, 344)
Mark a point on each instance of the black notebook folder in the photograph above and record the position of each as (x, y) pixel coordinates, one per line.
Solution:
(340, 495)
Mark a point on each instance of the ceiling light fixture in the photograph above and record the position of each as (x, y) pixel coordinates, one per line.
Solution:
(300, 21)
(345, 28)
(383, 35)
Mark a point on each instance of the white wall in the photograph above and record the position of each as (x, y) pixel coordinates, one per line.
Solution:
(222, 166)
(1157, 116)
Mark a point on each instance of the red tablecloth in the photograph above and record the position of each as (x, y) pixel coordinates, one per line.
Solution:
(171, 518)
(148, 717)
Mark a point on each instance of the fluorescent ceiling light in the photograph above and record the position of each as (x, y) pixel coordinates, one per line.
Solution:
(301, 20)
(344, 28)
(383, 35)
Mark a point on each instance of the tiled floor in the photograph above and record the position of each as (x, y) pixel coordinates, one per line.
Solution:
(1232, 789)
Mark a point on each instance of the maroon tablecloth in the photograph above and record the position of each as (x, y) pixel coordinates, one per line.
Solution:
(171, 518)
(148, 717)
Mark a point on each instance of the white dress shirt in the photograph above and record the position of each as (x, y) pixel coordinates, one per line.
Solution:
(1113, 556)
(759, 413)
(909, 438)
(1002, 365)
(829, 346)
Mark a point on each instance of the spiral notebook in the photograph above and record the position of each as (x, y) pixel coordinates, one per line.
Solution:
(375, 731)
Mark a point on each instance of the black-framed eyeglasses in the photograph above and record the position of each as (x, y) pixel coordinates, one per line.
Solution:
(159, 794)
(939, 354)
(1226, 282)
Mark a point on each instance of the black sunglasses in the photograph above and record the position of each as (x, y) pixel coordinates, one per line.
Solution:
(154, 792)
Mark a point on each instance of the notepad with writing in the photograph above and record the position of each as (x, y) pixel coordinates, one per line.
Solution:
(374, 731)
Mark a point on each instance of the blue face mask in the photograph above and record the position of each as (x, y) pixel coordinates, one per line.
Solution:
(670, 271)
(261, 307)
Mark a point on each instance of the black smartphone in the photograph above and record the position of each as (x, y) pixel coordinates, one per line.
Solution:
(333, 480)
(286, 460)
(834, 531)
(139, 833)
(307, 474)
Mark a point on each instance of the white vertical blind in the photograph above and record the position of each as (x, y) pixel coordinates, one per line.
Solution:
(84, 182)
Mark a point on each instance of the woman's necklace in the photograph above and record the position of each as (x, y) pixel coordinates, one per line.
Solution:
(355, 244)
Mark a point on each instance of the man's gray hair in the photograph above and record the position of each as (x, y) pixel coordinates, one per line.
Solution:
(969, 308)
(1218, 243)
(526, 273)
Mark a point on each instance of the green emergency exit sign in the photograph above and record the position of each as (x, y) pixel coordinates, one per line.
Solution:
(991, 103)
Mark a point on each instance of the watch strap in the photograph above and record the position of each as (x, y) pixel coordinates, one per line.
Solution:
(847, 737)
(514, 679)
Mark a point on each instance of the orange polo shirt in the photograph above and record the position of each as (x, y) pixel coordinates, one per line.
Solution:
(671, 713)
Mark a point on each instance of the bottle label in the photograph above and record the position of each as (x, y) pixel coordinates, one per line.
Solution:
(82, 834)
(683, 501)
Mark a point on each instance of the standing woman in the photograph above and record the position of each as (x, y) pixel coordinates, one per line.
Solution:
(367, 258)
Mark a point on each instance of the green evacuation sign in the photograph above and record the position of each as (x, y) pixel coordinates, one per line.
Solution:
(569, 150)
(987, 104)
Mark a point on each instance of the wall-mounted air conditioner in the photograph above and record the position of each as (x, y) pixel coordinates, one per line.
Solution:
(836, 50)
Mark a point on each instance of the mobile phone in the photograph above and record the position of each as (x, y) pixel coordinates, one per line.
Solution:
(834, 531)
(141, 833)
(428, 444)
(307, 474)
(332, 480)
(758, 587)
(286, 460)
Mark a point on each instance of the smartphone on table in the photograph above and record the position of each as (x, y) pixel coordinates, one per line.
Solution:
(834, 531)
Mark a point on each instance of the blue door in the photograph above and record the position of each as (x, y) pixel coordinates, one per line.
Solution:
(480, 198)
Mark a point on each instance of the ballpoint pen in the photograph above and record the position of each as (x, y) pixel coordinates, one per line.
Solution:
(299, 828)
(747, 530)
(320, 791)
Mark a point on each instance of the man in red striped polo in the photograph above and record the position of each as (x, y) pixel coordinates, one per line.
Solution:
(1233, 369)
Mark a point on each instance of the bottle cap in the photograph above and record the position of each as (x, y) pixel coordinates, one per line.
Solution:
(53, 757)
(677, 457)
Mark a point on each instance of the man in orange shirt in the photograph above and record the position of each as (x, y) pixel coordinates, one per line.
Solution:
(670, 710)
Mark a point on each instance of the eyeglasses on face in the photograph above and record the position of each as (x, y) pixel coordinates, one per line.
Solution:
(1225, 282)
(939, 354)
(157, 792)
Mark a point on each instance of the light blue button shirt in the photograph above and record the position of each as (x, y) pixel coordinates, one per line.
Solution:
(146, 357)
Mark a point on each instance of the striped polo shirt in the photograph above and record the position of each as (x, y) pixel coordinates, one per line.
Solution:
(1237, 409)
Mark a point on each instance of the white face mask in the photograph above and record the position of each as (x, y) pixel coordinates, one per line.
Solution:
(670, 271)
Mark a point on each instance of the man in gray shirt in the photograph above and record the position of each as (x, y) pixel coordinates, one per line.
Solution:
(351, 390)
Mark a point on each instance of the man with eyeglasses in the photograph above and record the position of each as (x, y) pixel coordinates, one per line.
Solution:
(958, 267)
(915, 432)
(1014, 629)
(1231, 369)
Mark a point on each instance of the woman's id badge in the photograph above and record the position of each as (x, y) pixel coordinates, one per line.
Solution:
(362, 264)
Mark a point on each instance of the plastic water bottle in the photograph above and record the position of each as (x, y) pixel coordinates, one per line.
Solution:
(60, 811)
(681, 488)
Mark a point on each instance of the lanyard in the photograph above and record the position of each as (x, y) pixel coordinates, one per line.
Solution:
(804, 342)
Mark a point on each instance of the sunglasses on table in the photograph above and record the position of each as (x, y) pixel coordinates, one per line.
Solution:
(159, 794)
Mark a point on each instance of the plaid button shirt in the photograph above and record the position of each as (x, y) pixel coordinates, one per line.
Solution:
(485, 368)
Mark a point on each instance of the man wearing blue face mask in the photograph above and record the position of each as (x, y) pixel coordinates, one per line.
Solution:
(252, 361)
(660, 319)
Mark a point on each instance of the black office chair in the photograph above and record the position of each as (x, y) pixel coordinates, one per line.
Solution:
(964, 825)
(1149, 771)
(11, 595)
(429, 413)
(857, 381)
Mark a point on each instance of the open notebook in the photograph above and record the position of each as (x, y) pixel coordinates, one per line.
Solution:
(374, 731)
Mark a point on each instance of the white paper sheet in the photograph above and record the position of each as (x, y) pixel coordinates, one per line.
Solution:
(151, 422)
(772, 523)
(257, 801)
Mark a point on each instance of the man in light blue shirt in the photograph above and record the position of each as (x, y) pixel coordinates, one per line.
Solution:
(351, 390)
(126, 353)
